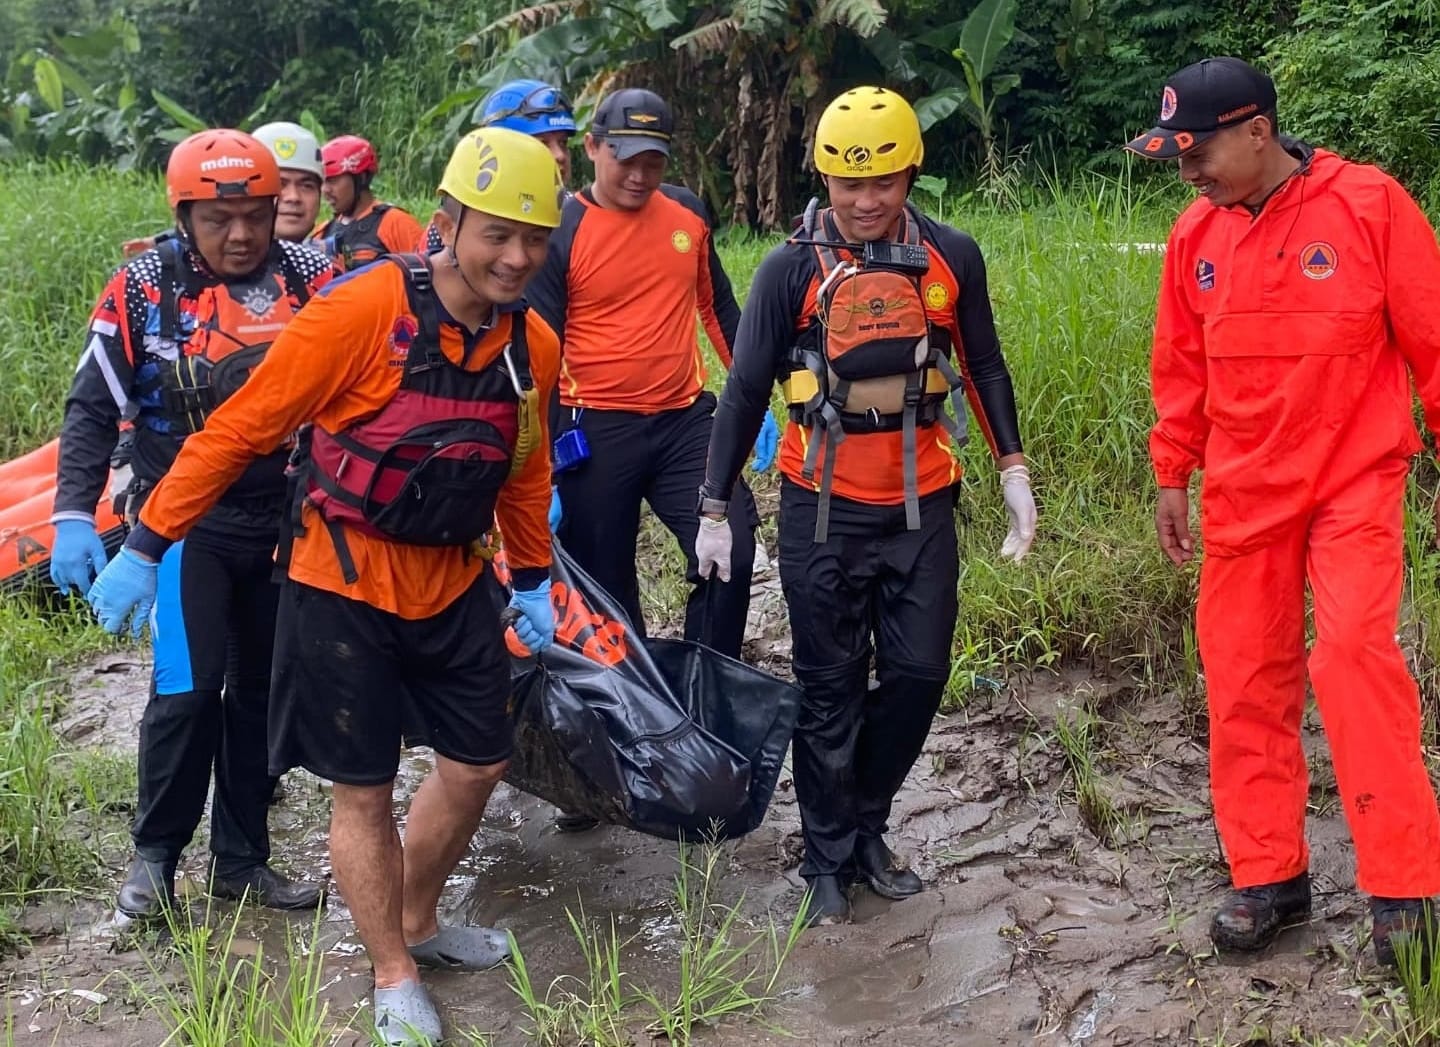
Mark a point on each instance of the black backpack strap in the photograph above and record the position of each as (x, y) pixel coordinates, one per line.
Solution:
(297, 472)
(420, 292)
(520, 349)
(910, 227)
(172, 257)
(828, 257)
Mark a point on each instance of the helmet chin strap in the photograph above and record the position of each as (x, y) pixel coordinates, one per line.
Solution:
(455, 261)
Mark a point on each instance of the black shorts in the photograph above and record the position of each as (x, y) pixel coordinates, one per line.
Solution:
(350, 681)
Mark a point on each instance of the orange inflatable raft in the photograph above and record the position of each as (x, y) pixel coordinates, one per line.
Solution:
(27, 498)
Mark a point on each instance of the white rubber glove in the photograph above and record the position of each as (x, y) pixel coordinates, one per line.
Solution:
(1020, 504)
(712, 548)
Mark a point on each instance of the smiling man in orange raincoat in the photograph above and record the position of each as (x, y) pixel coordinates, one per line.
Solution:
(1297, 303)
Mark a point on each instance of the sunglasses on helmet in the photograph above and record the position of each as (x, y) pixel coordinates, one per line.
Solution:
(540, 102)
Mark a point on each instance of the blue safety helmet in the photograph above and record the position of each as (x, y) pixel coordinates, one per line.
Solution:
(531, 107)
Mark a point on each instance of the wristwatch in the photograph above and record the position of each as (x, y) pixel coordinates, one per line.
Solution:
(711, 506)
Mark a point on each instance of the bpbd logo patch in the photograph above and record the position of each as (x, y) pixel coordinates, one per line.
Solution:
(402, 335)
(1168, 103)
(1319, 260)
(1205, 274)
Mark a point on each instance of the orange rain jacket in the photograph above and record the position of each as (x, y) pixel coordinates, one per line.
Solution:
(1286, 382)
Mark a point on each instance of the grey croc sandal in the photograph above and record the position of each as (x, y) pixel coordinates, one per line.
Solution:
(405, 1017)
(462, 948)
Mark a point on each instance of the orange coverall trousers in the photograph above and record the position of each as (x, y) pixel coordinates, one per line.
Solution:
(1251, 625)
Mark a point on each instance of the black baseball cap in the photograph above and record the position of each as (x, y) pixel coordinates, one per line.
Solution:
(633, 121)
(1200, 100)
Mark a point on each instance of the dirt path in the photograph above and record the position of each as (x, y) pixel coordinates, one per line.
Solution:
(1032, 931)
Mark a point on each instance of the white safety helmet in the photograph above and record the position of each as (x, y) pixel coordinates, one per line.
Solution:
(295, 148)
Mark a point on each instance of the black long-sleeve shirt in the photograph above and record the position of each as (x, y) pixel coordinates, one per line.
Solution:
(868, 466)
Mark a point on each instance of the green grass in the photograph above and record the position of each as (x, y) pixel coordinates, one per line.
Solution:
(60, 237)
(726, 969)
(57, 806)
(1074, 315)
(226, 996)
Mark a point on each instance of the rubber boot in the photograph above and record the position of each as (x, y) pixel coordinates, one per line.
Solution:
(264, 886)
(567, 822)
(148, 890)
(826, 903)
(877, 866)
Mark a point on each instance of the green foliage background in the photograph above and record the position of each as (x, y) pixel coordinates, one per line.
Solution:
(748, 77)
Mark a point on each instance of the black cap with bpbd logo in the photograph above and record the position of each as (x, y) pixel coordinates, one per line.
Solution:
(1202, 99)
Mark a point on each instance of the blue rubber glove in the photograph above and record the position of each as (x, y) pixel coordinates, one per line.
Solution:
(125, 589)
(766, 444)
(77, 557)
(556, 513)
(536, 626)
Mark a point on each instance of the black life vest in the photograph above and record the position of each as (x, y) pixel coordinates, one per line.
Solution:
(353, 244)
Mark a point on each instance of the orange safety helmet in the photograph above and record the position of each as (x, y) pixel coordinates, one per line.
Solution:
(220, 163)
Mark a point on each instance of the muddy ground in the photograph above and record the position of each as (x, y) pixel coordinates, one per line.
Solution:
(1032, 929)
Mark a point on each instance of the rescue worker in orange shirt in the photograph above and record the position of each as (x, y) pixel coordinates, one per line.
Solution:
(425, 379)
(177, 331)
(362, 228)
(874, 317)
(1297, 303)
(631, 265)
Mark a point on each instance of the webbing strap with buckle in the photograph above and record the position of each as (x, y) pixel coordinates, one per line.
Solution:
(959, 427)
(914, 387)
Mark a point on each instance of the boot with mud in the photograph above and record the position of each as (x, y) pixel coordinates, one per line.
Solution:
(1251, 917)
(148, 890)
(1401, 923)
(878, 867)
(826, 903)
(264, 886)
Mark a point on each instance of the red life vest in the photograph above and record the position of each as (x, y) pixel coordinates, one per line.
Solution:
(427, 468)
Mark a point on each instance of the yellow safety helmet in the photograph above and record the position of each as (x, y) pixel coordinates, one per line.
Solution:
(506, 174)
(867, 132)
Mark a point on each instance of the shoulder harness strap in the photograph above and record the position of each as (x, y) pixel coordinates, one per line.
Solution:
(420, 292)
(172, 261)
